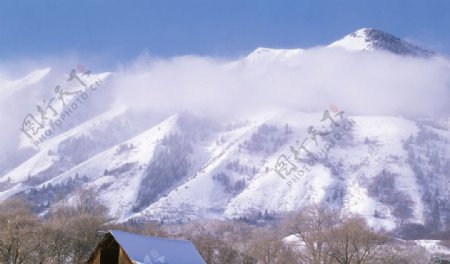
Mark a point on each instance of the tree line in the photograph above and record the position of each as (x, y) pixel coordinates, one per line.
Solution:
(69, 232)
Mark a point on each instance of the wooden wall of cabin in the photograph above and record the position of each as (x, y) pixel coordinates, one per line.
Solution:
(123, 258)
(96, 258)
(109, 252)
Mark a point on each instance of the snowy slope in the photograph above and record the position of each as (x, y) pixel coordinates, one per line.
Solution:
(356, 41)
(265, 190)
(266, 55)
(200, 194)
(434, 246)
(42, 160)
(61, 106)
(8, 87)
(343, 179)
(120, 188)
(369, 39)
(177, 166)
(69, 149)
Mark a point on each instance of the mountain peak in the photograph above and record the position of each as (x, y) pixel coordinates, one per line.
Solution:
(268, 55)
(367, 39)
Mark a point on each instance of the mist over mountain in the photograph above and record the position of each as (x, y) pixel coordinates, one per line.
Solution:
(195, 137)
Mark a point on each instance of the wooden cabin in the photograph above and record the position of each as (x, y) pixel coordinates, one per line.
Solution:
(119, 247)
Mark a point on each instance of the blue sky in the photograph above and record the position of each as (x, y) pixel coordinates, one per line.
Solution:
(121, 30)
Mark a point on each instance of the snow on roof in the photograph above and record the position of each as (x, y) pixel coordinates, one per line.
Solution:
(146, 249)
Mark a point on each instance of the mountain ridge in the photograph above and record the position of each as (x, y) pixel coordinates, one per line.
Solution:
(186, 166)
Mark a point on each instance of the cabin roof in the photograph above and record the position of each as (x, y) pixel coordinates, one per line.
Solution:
(147, 249)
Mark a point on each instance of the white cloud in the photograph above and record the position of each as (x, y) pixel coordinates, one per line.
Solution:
(369, 83)
(359, 82)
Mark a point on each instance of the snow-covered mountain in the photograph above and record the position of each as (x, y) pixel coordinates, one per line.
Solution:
(267, 55)
(179, 166)
(368, 39)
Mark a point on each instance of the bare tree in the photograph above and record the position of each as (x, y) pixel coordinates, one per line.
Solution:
(311, 227)
(210, 238)
(351, 241)
(268, 247)
(398, 252)
(77, 224)
(19, 233)
(69, 233)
